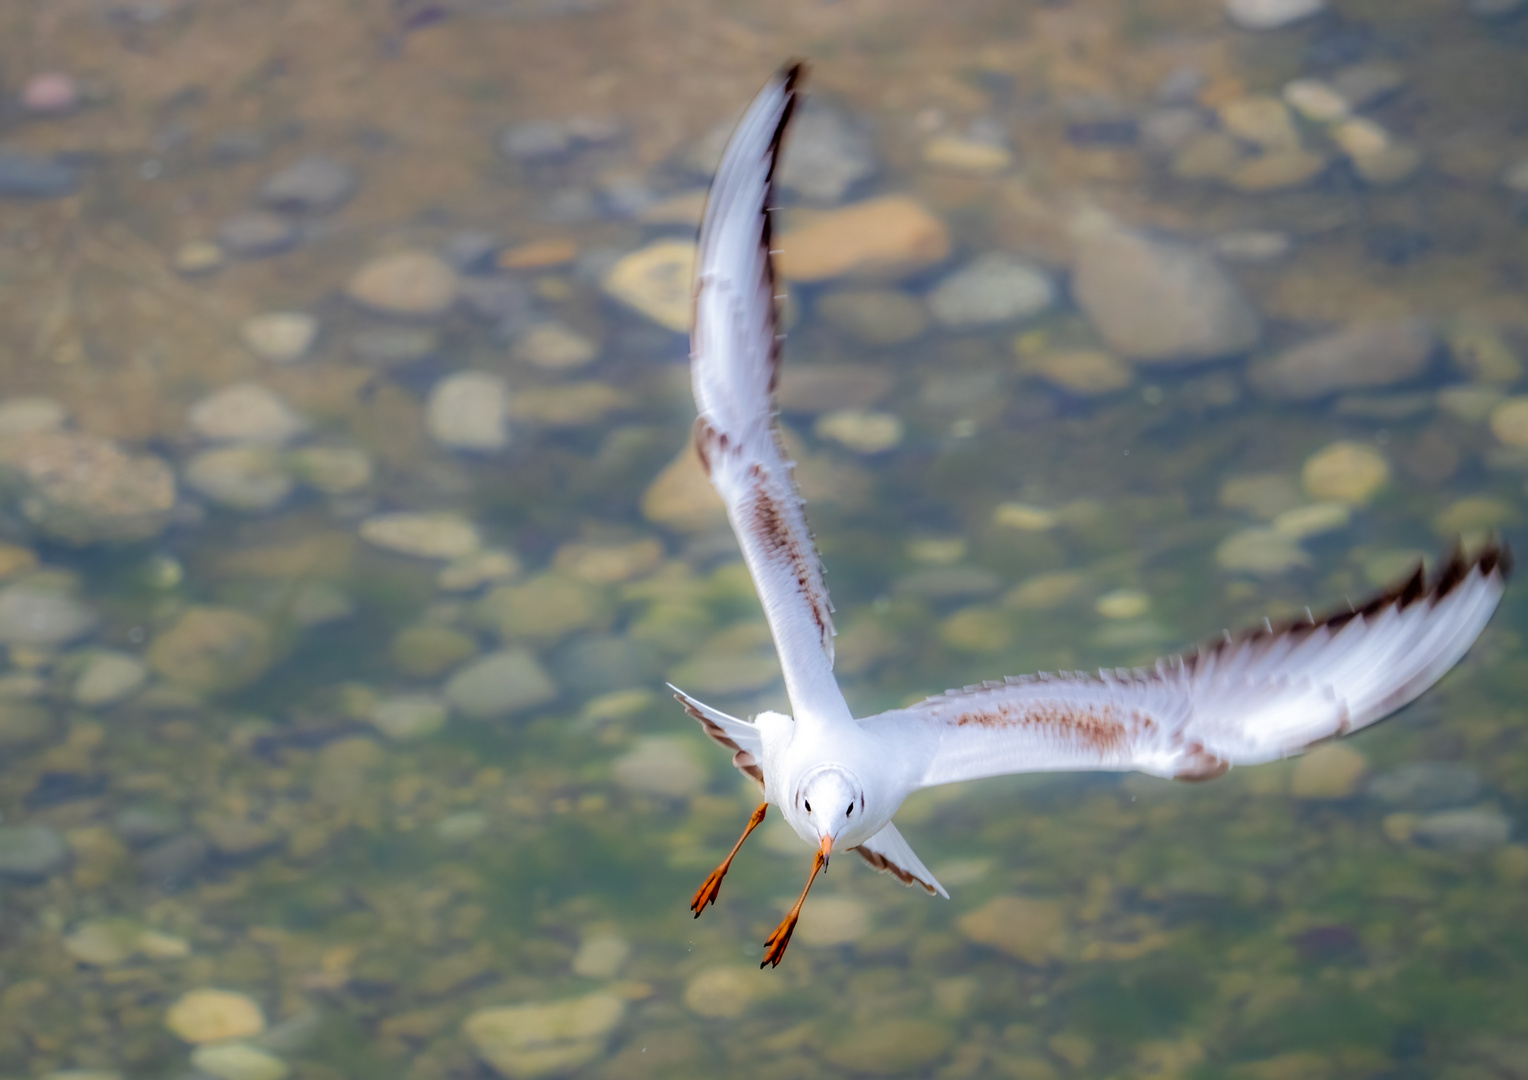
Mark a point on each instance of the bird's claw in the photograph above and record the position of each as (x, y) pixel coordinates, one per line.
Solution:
(708, 891)
(774, 948)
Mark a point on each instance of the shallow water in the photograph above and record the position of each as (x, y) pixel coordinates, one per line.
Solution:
(377, 781)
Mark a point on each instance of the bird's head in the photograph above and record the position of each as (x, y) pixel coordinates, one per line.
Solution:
(830, 799)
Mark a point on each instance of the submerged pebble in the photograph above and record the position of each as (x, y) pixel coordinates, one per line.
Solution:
(1271, 14)
(524, 1042)
(31, 852)
(500, 684)
(315, 184)
(282, 337)
(884, 238)
(469, 411)
(994, 288)
(426, 536)
(245, 413)
(407, 284)
(209, 1016)
(1347, 472)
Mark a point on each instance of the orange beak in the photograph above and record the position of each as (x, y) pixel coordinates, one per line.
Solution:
(826, 849)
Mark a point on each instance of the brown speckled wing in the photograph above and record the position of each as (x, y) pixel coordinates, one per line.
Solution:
(734, 359)
(1266, 694)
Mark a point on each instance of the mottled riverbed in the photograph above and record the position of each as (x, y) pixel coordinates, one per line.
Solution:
(350, 531)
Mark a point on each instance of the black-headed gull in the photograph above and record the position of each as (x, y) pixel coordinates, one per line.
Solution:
(1263, 695)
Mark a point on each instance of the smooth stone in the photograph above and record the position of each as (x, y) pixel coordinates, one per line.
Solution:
(1316, 101)
(282, 337)
(39, 617)
(500, 684)
(469, 411)
(333, 470)
(462, 827)
(245, 413)
(608, 563)
(526, 1042)
(1474, 514)
(212, 649)
(318, 602)
(1477, 348)
(1393, 164)
(426, 650)
(542, 254)
(545, 608)
(1271, 14)
(108, 678)
(965, 154)
(210, 1016)
(826, 155)
(426, 536)
(820, 388)
(477, 569)
(1277, 170)
(662, 765)
(885, 238)
(81, 489)
(568, 405)
(1261, 120)
(49, 93)
(1024, 517)
(1345, 472)
(1355, 358)
(394, 346)
(31, 852)
(197, 257)
(1123, 604)
(406, 717)
(992, 289)
(255, 234)
(406, 284)
(1426, 785)
(1263, 495)
(1260, 551)
(23, 176)
(892, 1046)
(681, 496)
(1313, 520)
(1030, 930)
(873, 316)
(835, 920)
(861, 431)
(1331, 771)
(1509, 421)
(1473, 830)
(239, 1061)
(144, 824)
(977, 630)
(553, 347)
(247, 478)
(103, 942)
(1081, 371)
(656, 281)
(315, 184)
(601, 956)
(725, 993)
(21, 415)
(1159, 300)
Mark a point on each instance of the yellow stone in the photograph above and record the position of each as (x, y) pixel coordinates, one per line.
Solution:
(1332, 771)
(977, 630)
(1044, 592)
(658, 281)
(1030, 930)
(208, 1015)
(681, 497)
(539, 254)
(409, 283)
(1509, 421)
(1123, 604)
(725, 992)
(1348, 472)
(1082, 371)
(1312, 520)
(966, 155)
(1025, 518)
(884, 238)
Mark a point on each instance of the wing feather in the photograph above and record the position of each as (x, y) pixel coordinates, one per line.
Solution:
(1264, 695)
(734, 359)
(890, 854)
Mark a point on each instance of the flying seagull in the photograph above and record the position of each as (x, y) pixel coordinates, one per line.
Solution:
(1259, 696)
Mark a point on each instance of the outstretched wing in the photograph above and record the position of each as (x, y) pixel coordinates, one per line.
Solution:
(734, 358)
(890, 854)
(1267, 694)
(739, 736)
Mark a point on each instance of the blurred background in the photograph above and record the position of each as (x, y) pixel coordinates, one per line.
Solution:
(350, 531)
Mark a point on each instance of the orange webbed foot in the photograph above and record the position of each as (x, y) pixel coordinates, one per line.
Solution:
(774, 948)
(709, 890)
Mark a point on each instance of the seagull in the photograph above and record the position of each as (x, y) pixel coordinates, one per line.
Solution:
(1259, 696)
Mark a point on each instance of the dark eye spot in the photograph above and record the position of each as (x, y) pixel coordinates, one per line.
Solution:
(809, 806)
(849, 812)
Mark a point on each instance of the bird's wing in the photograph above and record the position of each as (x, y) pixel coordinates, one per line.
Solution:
(734, 358)
(890, 854)
(1268, 694)
(739, 736)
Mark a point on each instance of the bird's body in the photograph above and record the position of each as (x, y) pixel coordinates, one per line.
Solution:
(1260, 696)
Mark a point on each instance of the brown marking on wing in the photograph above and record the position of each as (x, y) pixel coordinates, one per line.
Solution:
(1199, 764)
(886, 866)
(1095, 726)
(779, 541)
(742, 759)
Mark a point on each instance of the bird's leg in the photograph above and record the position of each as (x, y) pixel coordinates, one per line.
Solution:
(774, 948)
(706, 894)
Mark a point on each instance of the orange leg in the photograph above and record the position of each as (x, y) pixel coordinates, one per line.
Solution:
(706, 894)
(774, 948)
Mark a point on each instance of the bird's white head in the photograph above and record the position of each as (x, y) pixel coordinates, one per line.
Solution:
(830, 802)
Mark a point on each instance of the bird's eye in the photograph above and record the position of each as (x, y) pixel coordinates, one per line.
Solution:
(849, 812)
(809, 806)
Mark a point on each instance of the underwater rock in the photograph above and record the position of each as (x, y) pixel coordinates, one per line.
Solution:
(1347, 472)
(315, 184)
(425, 536)
(993, 288)
(239, 1061)
(212, 649)
(1357, 357)
(657, 281)
(662, 765)
(107, 678)
(884, 238)
(31, 852)
(248, 478)
(525, 1042)
(1331, 771)
(282, 337)
(245, 413)
(469, 411)
(44, 617)
(1030, 930)
(81, 490)
(208, 1015)
(500, 684)
(405, 284)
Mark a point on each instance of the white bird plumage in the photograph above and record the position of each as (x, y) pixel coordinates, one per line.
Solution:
(1264, 695)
